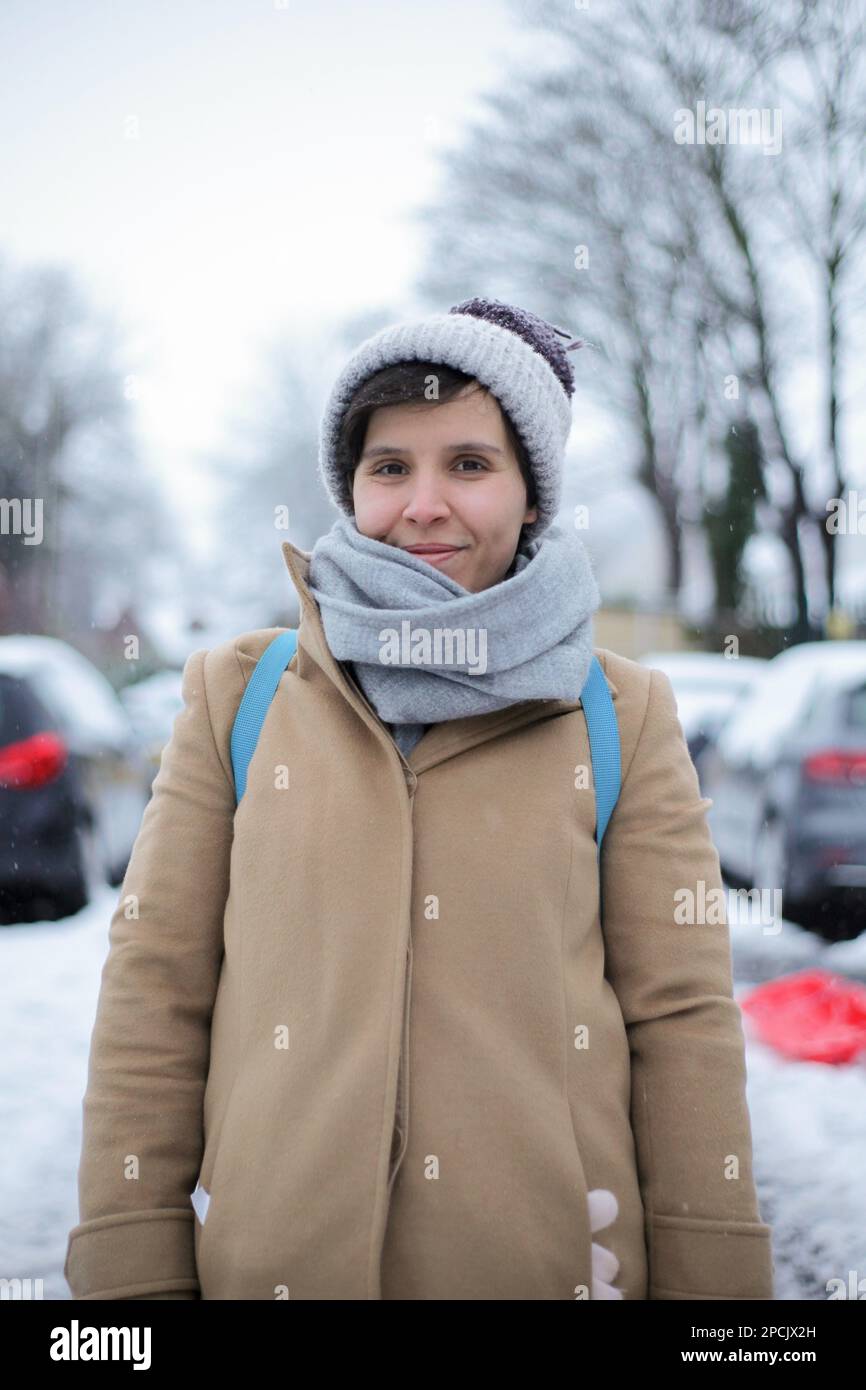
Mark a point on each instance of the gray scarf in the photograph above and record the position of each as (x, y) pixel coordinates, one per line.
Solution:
(424, 649)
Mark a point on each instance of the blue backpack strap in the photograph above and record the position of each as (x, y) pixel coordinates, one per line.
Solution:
(603, 746)
(257, 701)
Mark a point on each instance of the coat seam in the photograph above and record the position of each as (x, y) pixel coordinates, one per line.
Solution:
(374, 1261)
(565, 1032)
(110, 1219)
(640, 735)
(562, 976)
(706, 1225)
(121, 1292)
(238, 660)
(649, 1199)
(211, 1188)
(649, 1211)
(229, 779)
(240, 989)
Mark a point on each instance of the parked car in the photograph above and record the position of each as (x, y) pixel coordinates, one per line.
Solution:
(43, 857)
(706, 686)
(103, 786)
(152, 705)
(787, 777)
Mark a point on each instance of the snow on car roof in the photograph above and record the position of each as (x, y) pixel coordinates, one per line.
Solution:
(74, 692)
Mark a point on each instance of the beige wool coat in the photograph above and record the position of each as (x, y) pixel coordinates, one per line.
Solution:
(366, 1036)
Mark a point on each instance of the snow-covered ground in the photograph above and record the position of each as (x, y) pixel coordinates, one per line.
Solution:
(808, 1120)
(808, 1124)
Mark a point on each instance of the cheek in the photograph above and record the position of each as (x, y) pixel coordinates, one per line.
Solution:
(496, 519)
(372, 506)
(492, 507)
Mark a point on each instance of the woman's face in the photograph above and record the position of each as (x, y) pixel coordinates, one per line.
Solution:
(444, 475)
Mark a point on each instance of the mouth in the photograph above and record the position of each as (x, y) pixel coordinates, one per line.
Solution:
(431, 549)
(434, 554)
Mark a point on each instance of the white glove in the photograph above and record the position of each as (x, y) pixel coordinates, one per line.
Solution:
(603, 1209)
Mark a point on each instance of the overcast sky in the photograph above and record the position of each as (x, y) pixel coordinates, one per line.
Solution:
(221, 171)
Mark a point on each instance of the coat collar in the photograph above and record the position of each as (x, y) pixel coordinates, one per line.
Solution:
(442, 741)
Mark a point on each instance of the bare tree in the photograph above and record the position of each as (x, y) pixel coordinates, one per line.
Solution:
(817, 54)
(679, 260)
(66, 456)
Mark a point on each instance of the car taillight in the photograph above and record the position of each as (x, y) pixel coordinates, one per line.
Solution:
(841, 765)
(32, 762)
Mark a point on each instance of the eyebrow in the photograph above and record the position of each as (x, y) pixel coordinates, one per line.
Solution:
(396, 448)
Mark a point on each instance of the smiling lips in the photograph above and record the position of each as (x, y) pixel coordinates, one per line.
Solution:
(434, 554)
(432, 549)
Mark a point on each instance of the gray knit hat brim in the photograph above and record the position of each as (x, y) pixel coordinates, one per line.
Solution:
(522, 380)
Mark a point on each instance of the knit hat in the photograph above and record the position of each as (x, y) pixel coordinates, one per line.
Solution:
(514, 353)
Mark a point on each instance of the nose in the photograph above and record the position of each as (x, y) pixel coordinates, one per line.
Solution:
(427, 501)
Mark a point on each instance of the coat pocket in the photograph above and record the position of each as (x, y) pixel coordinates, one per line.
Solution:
(695, 1257)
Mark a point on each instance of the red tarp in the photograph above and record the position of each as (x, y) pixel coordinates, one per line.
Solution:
(812, 1016)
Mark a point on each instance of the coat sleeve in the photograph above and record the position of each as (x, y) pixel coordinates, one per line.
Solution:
(142, 1126)
(705, 1237)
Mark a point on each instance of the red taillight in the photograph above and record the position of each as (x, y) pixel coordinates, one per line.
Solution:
(840, 765)
(32, 762)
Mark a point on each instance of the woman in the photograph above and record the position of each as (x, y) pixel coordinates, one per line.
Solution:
(368, 1034)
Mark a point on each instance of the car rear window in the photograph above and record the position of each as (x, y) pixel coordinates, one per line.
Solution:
(21, 713)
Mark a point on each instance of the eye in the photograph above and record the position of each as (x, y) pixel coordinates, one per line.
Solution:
(394, 463)
(382, 467)
(468, 459)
